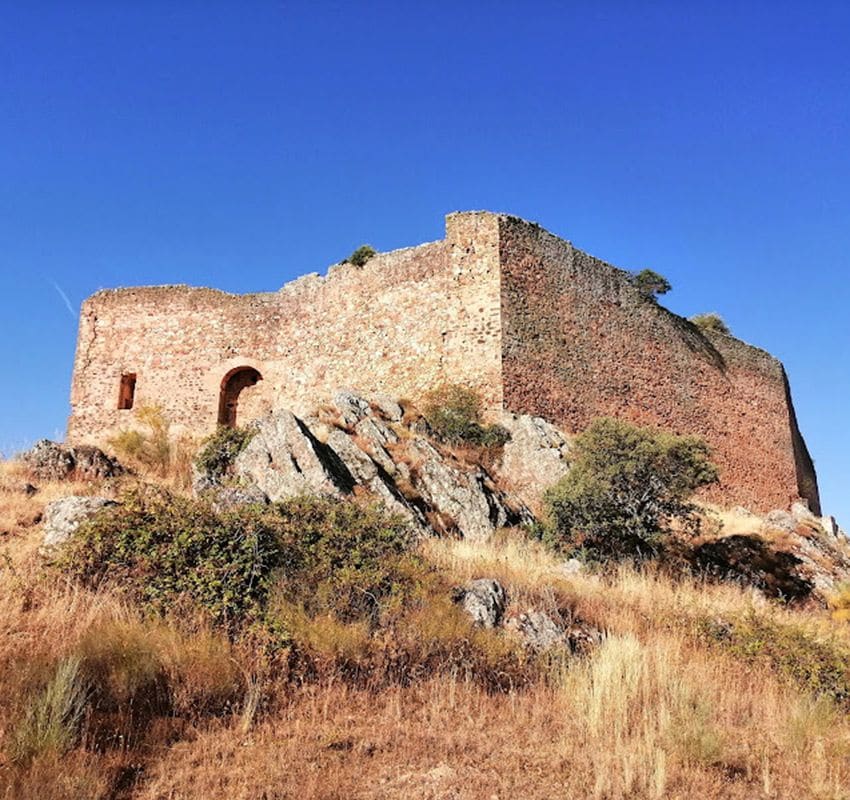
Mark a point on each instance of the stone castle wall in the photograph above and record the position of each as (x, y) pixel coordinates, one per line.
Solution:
(580, 342)
(535, 325)
(403, 323)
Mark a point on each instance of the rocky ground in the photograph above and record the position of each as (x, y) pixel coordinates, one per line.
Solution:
(720, 674)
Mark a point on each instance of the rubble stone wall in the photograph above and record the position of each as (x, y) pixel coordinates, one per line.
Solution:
(405, 322)
(535, 325)
(580, 342)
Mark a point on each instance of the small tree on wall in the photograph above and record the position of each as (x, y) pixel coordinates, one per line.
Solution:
(711, 322)
(650, 284)
(361, 255)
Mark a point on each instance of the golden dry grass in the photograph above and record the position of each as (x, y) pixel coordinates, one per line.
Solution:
(654, 712)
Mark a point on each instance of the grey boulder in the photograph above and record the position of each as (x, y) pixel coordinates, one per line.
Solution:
(484, 600)
(538, 630)
(55, 462)
(284, 460)
(62, 518)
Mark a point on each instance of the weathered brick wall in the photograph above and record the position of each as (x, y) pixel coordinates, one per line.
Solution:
(580, 342)
(533, 324)
(403, 323)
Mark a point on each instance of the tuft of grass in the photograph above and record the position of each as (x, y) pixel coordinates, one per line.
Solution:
(54, 716)
(639, 714)
(152, 450)
(839, 603)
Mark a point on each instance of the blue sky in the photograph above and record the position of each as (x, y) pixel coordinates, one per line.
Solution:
(241, 144)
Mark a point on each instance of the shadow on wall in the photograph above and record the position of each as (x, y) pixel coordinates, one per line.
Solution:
(695, 339)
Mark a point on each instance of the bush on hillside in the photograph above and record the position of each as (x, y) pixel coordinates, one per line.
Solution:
(625, 487)
(219, 450)
(650, 284)
(453, 413)
(711, 322)
(818, 665)
(164, 550)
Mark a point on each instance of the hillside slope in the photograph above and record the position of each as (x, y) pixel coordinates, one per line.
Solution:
(146, 661)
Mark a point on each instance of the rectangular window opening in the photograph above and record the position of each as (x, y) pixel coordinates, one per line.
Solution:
(127, 393)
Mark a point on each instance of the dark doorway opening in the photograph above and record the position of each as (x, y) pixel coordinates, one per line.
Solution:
(231, 386)
(127, 391)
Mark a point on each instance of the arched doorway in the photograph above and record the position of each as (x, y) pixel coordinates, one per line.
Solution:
(231, 385)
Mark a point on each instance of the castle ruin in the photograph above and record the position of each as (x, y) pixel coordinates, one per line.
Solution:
(535, 325)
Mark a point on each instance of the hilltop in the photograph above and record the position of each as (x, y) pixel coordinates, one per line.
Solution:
(254, 625)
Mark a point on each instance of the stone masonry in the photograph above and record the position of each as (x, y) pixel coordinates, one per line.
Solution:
(535, 325)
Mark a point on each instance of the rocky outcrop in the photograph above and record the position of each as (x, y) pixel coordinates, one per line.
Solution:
(469, 497)
(541, 631)
(63, 517)
(356, 447)
(56, 462)
(284, 459)
(793, 555)
(534, 458)
(484, 600)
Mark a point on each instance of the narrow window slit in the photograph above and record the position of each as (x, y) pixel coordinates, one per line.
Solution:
(127, 392)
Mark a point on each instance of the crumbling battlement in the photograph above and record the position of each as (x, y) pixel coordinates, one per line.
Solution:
(532, 323)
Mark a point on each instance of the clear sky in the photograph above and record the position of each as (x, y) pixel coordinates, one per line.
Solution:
(242, 144)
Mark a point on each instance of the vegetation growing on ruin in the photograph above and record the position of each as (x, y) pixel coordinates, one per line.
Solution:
(361, 255)
(626, 487)
(454, 415)
(711, 322)
(219, 450)
(650, 283)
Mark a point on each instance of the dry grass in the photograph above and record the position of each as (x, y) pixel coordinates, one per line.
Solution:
(654, 712)
(634, 721)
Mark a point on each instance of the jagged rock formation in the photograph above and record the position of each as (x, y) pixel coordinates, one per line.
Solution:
(354, 446)
(55, 462)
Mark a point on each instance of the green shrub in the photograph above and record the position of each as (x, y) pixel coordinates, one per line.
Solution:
(327, 555)
(650, 284)
(342, 558)
(819, 666)
(219, 450)
(54, 716)
(711, 322)
(361, 255)
(454, 414)
(162, 548)
(625, 486)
